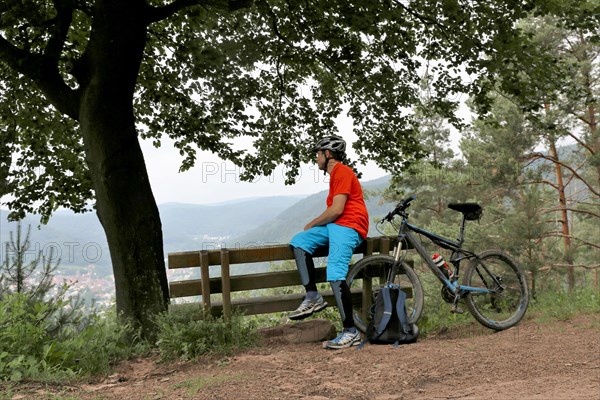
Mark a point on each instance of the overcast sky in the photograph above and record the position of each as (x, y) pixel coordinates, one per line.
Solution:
(213, 180)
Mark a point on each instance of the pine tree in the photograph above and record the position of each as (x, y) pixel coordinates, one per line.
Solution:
(33, 278)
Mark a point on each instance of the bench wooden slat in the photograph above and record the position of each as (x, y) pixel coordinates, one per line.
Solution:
(190, 259)
(238, 283)
(271, 304)
(280, 303)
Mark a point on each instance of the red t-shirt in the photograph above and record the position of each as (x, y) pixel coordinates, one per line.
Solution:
(355, 215)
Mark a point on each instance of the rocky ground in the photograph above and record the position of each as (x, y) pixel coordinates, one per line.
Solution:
(549, 360)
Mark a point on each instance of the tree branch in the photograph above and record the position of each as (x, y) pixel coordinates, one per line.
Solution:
(285, 40)
(574, 172)
(562, 235)
(575, 196)
(578, 140)
(44, 73)
(577, 168)
(553, 221)
(423, 18)
(575, 210)
(572, 265)
(580, 117)
(588, 204)
(546, 182)
(155, 14)
(63, 19)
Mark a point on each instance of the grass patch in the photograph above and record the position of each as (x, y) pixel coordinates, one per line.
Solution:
(194, 386)
(562, 305)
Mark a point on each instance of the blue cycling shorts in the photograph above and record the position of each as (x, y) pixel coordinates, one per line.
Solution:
(341, 241)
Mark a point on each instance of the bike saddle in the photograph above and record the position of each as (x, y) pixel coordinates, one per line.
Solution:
(471, 211)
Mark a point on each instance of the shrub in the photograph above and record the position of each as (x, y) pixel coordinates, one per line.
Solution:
(182, 334)
(32, 348)
(47, 335)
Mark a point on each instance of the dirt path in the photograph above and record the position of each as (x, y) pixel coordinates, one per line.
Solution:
(553, 360)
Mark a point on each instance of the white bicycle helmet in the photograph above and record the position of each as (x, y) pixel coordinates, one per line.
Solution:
(332, 143)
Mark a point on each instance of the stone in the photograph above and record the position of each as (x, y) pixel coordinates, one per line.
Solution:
(314, 330)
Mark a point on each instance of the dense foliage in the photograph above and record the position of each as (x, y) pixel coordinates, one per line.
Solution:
(47, 333)
(31, 347)
(273, 73)
(531, 161)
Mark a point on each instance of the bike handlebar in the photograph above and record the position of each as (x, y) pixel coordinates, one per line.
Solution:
(400, 207)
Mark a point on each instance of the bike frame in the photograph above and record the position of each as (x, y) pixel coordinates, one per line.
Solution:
(405, 233)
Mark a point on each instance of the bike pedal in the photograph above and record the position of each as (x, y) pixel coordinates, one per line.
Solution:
(456, 310)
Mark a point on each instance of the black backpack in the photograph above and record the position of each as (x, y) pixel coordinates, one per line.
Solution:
(388, 321)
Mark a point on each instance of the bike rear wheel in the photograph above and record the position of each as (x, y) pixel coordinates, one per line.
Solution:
(507, 304)
(369, 274)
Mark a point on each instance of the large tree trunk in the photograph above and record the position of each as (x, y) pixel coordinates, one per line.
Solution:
(125, 204)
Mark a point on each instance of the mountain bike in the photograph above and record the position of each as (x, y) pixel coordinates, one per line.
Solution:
(494, 287)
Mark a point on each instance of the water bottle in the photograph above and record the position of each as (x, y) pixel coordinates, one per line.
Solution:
(439, 261)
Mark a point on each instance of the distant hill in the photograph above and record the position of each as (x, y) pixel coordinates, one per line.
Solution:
(79, 240)
(76, 239)
(192, 227)
(292, 220)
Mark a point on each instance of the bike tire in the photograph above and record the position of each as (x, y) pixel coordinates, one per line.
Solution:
(497, 311)
(375, 268)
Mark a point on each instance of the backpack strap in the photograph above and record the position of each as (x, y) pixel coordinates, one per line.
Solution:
(384, 292)
(387, 311)
(401, 311)
(362, 344)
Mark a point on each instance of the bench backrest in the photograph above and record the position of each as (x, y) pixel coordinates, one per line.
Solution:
(227, 283)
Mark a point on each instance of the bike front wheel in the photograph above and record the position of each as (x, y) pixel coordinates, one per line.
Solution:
(504, 295)
(371, 273)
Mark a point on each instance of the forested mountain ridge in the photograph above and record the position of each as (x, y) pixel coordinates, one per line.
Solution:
(78, 239)
(292, 220)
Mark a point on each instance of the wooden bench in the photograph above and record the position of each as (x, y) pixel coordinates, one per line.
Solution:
(227, 283)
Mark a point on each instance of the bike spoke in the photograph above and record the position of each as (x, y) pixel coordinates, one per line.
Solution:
(505, 303)
(368, 275)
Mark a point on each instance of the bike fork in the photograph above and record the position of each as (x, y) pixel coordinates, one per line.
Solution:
(396, 266)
